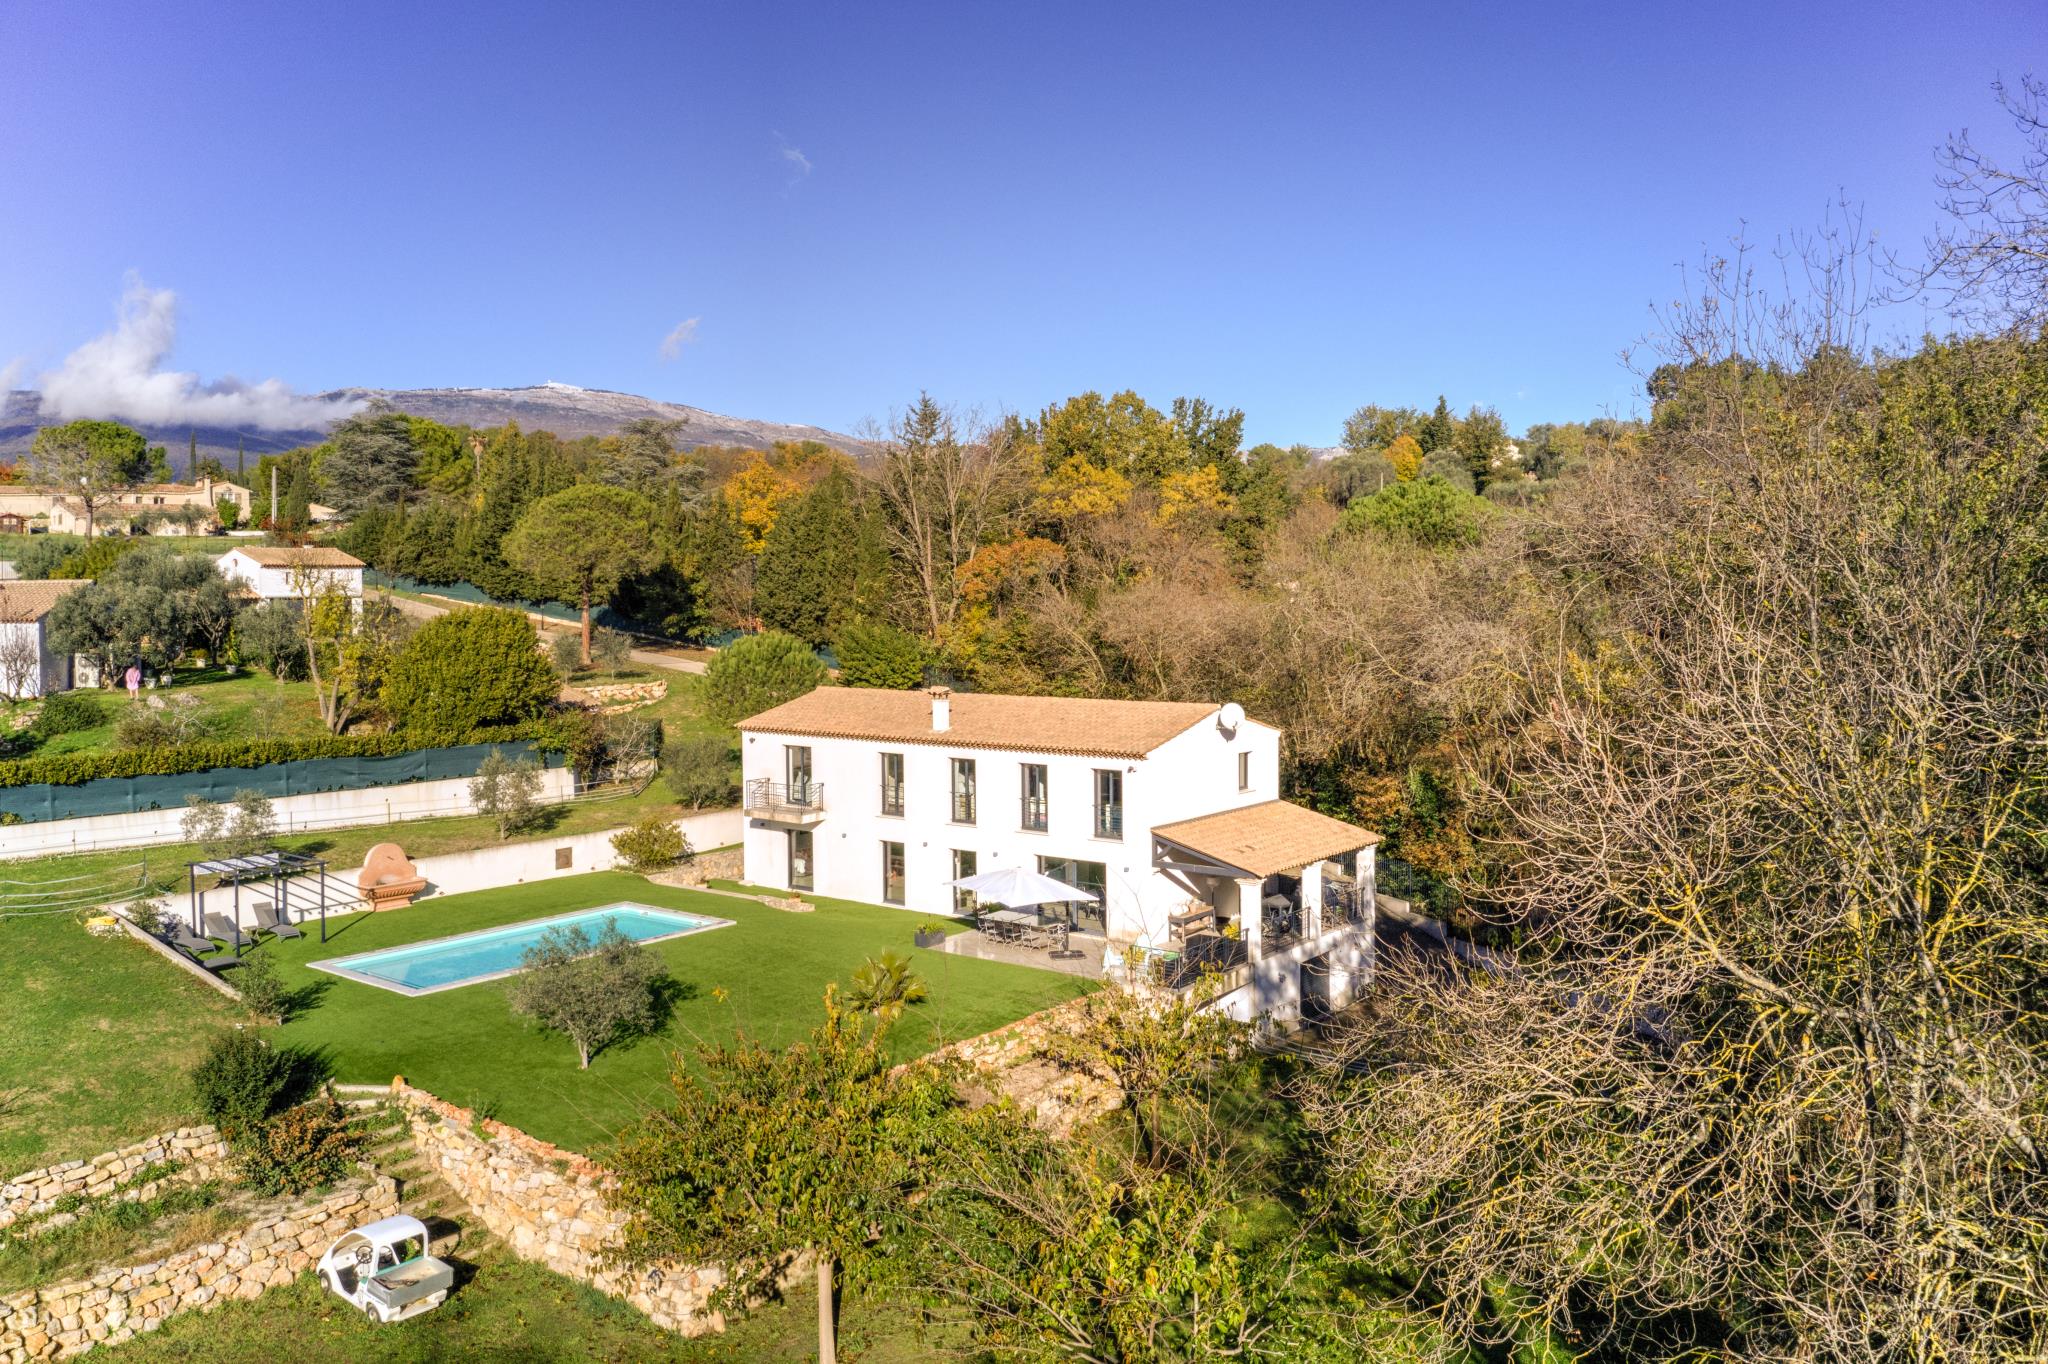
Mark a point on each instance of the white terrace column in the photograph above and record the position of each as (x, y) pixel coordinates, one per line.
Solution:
(1251, 917)
(1312, 900)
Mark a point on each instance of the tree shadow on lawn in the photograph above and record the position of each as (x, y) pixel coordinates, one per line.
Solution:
(293, 1003)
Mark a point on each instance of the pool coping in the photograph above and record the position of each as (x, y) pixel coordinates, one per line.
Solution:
(338, 966)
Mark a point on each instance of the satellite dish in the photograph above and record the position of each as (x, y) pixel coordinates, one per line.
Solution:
(1230, 717)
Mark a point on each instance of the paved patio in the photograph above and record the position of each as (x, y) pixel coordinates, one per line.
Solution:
(1087, 961)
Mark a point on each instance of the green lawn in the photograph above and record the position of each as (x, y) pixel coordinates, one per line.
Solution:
(241, 706)
(766, 974)
(508, 1310)
(12, 544)
(98, 1036)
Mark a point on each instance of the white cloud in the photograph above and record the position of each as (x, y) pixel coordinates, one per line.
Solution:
(799, 164)
(10, 375)
(118, 374)
(683, 334)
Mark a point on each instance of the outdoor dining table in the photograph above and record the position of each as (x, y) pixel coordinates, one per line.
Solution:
(1025, 926)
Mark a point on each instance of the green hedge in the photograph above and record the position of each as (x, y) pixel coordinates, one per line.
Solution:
(74, 769)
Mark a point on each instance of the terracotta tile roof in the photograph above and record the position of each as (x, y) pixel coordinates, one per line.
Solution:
(289, 556)
(1270, 837)
(1034, 724)
(31, 599)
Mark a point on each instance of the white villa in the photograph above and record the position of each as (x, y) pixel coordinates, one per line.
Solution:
(27, 667)
(286, 572)
(1170, 812)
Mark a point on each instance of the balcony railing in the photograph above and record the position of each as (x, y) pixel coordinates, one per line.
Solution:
(1281, 925)
(783, 802)
(892, 797)
(963, 807)
(1109, 820)
(1031, 815)
(1344, 904)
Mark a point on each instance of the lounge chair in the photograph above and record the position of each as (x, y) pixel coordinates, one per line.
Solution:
(215, 965)
(221, 929)
(179, 936)
(271, 919)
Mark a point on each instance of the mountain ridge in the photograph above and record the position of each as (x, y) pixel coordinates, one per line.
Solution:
(568, 410)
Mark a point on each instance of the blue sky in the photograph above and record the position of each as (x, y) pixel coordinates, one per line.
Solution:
(1293, 209)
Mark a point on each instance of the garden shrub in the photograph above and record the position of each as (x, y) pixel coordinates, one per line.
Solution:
(652, 843)
(611, 650)
(260, 986)
(750, 675)
(470, 669)
(872, 654)
(68, 712)
(1429, 511)
(507, 792)
(43, 554)
(699, 770)
(300, 1148)
(565, 651)
(242, 1081)
(160, 723)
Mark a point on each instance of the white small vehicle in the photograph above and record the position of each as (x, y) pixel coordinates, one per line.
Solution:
(384, 1269)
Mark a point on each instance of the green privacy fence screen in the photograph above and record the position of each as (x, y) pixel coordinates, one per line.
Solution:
(127, 795)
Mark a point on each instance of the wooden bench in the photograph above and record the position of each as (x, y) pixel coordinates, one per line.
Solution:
(388, 879)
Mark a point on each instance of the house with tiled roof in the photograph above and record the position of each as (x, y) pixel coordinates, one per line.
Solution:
(1165, 816)
(28, 667)
(152, 508)
(291, 572)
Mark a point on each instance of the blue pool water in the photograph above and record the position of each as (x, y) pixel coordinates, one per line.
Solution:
(443, 963)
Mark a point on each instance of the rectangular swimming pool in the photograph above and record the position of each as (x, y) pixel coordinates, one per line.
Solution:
(421, 968)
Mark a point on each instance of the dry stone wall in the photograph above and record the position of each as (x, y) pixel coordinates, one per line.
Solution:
(1012, 1060)
(198, 1152)
(549, 1205)
(67, 1319)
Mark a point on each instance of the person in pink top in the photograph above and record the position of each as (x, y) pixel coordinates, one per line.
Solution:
(134, 680)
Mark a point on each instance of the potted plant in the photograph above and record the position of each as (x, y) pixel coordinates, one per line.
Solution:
(930, 933)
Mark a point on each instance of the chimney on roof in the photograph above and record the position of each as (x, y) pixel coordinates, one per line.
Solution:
(942, 709)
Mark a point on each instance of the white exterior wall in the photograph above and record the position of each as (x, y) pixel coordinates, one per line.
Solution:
(1195, 773)
(53, 673)
(272, 583)
(365, 805)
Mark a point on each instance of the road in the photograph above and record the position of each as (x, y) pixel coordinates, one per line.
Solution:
(673, 660)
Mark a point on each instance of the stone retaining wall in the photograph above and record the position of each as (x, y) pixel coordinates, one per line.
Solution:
(1011, 1059)
(549, 1206)
(725, 864)
(68, 1319)
(199, 1152)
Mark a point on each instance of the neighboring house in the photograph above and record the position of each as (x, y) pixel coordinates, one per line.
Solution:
(20, 500)
(153, 507)
(27, 667)
(288, 573)
(1168, 811)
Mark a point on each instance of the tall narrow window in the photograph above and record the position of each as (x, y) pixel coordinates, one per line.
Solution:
(1244, 771)
(1032, 816)
(965, 863)
(963, 790)
(892, 783)
(796, 771)
(802, 876)
(1109, 803)
(892, 873)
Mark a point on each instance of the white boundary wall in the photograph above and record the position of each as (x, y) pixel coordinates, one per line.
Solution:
(502, 864)
(315, 810)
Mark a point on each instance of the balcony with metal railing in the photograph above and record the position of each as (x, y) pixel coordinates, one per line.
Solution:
(778, 802)
(1032, 814)
(1109, 819)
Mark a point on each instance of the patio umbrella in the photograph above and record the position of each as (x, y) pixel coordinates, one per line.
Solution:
(1017, 888)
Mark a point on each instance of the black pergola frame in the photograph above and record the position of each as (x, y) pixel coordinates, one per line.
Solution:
(275, 866)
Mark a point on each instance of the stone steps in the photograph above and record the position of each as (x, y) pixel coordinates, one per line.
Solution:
(423, 1193)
